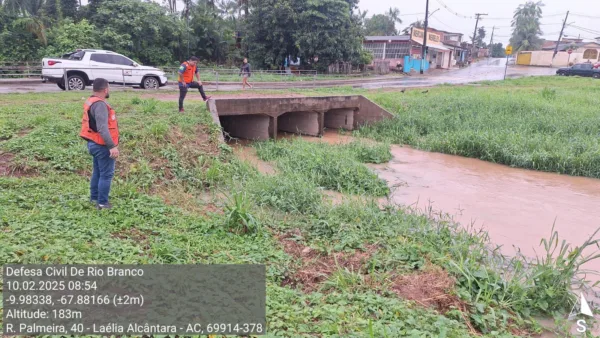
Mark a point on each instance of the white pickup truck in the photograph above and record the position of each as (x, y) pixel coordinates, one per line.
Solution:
(85, 65)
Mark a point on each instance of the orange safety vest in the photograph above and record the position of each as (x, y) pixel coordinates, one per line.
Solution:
(87, 133)
(188, 74)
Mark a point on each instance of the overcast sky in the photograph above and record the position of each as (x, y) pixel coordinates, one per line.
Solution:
(500, 14)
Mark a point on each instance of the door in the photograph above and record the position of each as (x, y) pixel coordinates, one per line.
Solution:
(587, 69)
(128, 72)
(103, 67)
(524, 58)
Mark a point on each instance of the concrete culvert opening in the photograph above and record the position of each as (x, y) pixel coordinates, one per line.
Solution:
(262, 118)
(340, 119)
(301, 122)
(251, 127)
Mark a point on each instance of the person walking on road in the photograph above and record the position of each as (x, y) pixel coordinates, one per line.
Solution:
(245, 73)
(187, 70)
(100, 129)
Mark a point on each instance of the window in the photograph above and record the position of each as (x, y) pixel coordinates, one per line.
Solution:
(376, 48)
(103, 58)
(587, 66)
(590, 54)
(577, 67)
(397, 50)
(120, 60)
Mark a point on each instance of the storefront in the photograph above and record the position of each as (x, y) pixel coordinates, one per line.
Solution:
(439, 55)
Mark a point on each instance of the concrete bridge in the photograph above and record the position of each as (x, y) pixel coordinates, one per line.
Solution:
(262, 118)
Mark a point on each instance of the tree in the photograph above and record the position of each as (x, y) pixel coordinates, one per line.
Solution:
(69, 8)
(328, 29)
(526, 26)
(69, 36)
(271, 29)
(479, 38)
(497, 50)
(416, 24)
(380, 24)
(383, 24)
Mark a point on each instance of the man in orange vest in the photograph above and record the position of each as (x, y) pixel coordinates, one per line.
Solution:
(187, 70)
(100, 129)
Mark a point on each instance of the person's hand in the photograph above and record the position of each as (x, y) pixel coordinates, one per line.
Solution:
(114, 152)
(199, 83)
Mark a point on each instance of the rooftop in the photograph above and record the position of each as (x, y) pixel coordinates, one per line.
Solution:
(388, 38)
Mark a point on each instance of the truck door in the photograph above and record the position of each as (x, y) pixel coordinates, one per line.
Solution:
(103, 67)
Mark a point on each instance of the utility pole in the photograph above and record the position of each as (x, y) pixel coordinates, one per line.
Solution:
(491, 46)
(559, 38)
(478, 15)
(424, 47)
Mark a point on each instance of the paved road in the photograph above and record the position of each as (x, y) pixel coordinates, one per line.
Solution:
(487, 70)
(491, 70)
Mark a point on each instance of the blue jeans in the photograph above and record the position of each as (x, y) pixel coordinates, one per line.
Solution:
(102, 174)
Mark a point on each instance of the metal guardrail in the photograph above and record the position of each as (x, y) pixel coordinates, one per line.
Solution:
(214, 77)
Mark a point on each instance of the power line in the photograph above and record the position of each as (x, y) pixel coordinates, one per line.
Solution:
(583, 29)
(586, 16)
(453, 12)
(440, 21)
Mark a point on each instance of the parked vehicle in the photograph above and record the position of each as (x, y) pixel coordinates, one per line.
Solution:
(83, 66)
(581, 69)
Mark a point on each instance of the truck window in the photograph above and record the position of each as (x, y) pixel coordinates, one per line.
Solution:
(103, 58)
(77, 56)
(121, 60)
(587, 66)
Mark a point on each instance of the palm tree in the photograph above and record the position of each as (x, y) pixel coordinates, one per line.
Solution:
(526, 26)
(30, 18)
(394, 14)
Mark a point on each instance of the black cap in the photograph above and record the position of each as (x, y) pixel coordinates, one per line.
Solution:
(194, 58)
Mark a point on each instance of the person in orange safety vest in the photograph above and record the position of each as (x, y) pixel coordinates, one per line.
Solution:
(100, 129)
(187, 70)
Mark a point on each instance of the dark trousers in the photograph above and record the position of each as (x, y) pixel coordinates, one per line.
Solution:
(102, 174)
(183, 89)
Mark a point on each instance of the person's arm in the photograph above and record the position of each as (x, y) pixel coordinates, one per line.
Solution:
(180, 75)
(100, 112)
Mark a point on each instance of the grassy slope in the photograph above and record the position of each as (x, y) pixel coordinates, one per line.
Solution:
(46, 219)
(548, 124)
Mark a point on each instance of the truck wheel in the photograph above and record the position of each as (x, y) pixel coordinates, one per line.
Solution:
(150, 83)
(596, 76)
(61, 85)
(76, 82)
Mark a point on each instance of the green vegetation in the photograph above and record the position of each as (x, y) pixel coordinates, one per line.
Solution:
(336, 168)
(547, 124)
(350, 269)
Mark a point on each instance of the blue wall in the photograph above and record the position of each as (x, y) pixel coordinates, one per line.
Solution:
(414, 64)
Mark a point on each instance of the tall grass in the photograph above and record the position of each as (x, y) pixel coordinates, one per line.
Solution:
(550, 125)
(337, 168)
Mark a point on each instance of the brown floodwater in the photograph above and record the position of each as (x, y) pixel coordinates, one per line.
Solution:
(516, 207)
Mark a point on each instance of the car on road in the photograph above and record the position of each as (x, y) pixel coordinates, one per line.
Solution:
(581, 69)
(84, 65)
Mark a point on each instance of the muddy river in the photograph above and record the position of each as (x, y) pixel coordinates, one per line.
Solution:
(516, 207)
